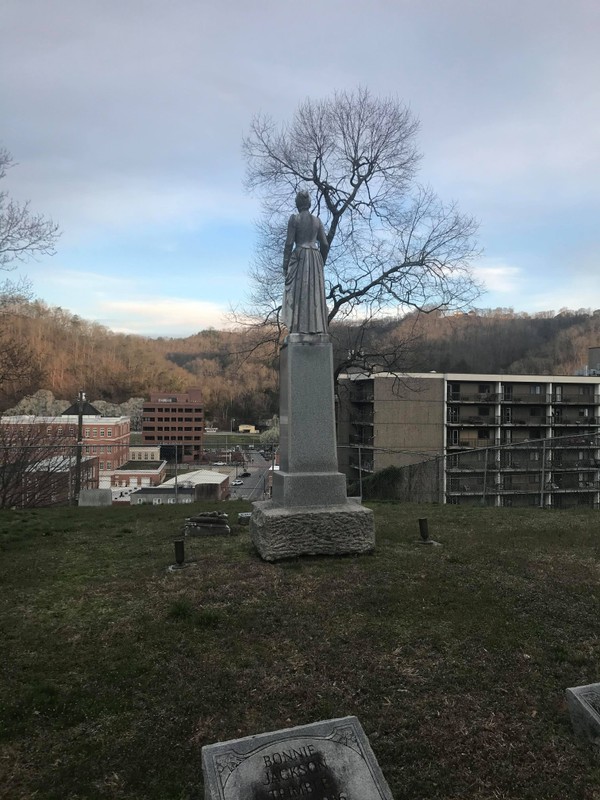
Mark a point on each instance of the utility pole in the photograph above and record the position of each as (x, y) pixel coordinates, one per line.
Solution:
(543, 473)
(80, 402)
(360, 472)
(176, 473)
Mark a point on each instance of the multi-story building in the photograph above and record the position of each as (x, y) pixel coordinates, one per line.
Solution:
(45, 481)
(498, 439)
(176, 423)
(105, 437)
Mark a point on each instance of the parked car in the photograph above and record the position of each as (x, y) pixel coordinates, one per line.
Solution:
(238, 482)
(245, 474)
(218, 463)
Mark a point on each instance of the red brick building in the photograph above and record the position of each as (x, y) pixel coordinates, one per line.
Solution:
(104, 437)
(176, 423)
(139, 473)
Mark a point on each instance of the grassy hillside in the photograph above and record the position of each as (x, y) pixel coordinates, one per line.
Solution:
(454, 658)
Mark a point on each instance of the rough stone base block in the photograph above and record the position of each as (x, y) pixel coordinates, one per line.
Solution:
(333, 530)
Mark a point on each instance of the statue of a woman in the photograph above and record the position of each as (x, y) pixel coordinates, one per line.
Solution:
(304, 308)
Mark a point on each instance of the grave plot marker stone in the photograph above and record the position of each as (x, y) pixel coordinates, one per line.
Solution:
(329, 760)
(584, 708)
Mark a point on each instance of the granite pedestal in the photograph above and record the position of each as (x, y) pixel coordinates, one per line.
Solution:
(309, 512)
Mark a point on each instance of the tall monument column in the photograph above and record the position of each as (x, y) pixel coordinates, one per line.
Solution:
(309, 512)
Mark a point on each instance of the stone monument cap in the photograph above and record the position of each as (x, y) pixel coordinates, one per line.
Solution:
(328, 760)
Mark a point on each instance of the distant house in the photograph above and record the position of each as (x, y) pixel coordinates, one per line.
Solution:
(208, 484)
(247, 429)
(188, 488)
(139, 473)
(163, 495)
(45, 482)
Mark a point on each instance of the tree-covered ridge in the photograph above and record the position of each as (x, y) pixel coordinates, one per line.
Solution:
(66, 353)
(240, 382)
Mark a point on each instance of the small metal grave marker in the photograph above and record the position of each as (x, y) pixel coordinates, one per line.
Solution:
(329, 760)
(584, 708)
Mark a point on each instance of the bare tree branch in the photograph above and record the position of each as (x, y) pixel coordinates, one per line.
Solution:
(394, 246)
(23, 234)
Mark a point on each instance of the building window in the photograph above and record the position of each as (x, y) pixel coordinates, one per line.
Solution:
(101, 465)
(109, 432)
(109, 465)
(49, 429)
(94, 448)
(484, 388)
(95, 432)
(535, 389)
(109, 448)
(454, 391)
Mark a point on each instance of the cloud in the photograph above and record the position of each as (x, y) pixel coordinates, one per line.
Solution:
(498, 277)
(162, 316)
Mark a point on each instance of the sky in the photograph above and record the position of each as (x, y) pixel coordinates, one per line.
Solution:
(125, 119)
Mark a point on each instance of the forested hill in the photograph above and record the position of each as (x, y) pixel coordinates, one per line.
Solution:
(44, 347)
(500, 341)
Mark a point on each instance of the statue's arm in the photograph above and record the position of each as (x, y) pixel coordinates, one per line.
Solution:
(323, 243)
(289, 243)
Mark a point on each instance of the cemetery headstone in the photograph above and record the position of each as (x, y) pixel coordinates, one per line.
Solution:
(584, 708)
(210, 523)
(329, 760)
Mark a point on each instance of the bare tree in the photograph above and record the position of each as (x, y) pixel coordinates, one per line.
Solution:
(37, 467)
(23, 235)
(394, 245)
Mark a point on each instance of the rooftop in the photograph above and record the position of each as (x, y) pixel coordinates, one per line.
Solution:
(139, 466)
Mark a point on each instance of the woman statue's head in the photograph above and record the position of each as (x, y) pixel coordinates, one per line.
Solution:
(303, 201)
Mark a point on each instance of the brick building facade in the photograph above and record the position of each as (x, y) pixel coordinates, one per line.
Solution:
(176, 423)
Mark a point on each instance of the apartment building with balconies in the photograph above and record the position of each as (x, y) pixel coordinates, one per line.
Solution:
(520, 440)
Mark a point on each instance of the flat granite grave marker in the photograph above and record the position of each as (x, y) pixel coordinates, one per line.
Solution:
(584, 708)
(329, 760)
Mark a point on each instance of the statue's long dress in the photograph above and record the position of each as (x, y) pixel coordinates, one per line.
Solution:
(304, 309)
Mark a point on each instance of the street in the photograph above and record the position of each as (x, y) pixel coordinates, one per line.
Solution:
(254, 486)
